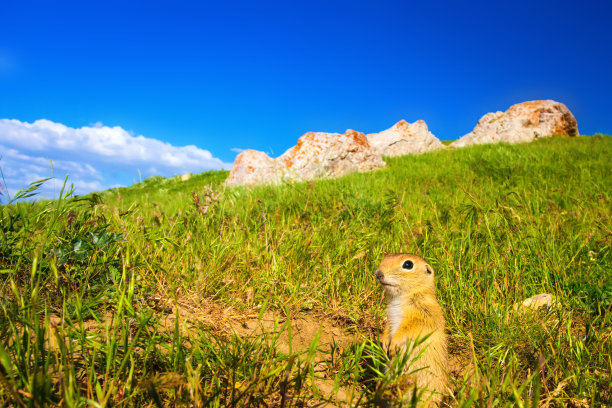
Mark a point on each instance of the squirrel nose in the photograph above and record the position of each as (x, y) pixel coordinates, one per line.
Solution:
(379, 274)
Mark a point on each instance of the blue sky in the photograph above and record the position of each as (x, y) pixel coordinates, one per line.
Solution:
(156, 76)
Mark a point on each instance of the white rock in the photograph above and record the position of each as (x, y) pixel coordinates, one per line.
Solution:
(316, 155)
(537, 301)
(523, 122)
(319, 154)
(405, 138)
(254, 167)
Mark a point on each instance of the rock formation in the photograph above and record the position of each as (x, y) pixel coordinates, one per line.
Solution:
(405, 138)
(319, 154)
(316, 155)
(523, 122)
(254, 167)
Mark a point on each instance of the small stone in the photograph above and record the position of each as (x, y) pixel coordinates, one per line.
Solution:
(536, 302)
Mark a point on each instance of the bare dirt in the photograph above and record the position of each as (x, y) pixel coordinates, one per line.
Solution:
(292, 334)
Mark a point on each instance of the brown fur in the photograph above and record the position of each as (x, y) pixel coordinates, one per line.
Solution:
(413, 312)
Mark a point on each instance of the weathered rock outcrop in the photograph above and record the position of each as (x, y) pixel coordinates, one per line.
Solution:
(316, 155)
(254, 167)
(405, 138)
(319, 154)
(523, 122)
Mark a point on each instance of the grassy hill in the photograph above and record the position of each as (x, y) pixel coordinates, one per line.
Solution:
(191, 294)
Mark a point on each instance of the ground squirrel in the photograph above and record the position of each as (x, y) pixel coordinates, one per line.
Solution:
(413, 312)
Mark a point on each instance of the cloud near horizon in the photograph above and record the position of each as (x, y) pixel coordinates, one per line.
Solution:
(94, 157)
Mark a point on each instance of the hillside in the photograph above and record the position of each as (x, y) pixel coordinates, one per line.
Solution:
(133, 296)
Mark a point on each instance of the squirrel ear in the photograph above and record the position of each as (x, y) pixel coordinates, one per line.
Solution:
(428, 270)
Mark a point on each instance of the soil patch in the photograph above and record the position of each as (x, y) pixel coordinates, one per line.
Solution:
(295, 334)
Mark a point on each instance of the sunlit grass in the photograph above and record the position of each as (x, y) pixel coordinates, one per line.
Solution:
(128, 297)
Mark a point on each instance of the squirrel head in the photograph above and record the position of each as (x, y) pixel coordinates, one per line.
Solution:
(403, 274)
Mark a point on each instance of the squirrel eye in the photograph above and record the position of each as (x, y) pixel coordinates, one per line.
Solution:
(408, 265)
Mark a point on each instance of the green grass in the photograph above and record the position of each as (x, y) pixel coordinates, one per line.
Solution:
(126, 297)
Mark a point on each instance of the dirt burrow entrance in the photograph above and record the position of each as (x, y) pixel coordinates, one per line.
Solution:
(291, 334)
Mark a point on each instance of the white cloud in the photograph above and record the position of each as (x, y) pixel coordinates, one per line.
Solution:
(95, 157)
(237, 150)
